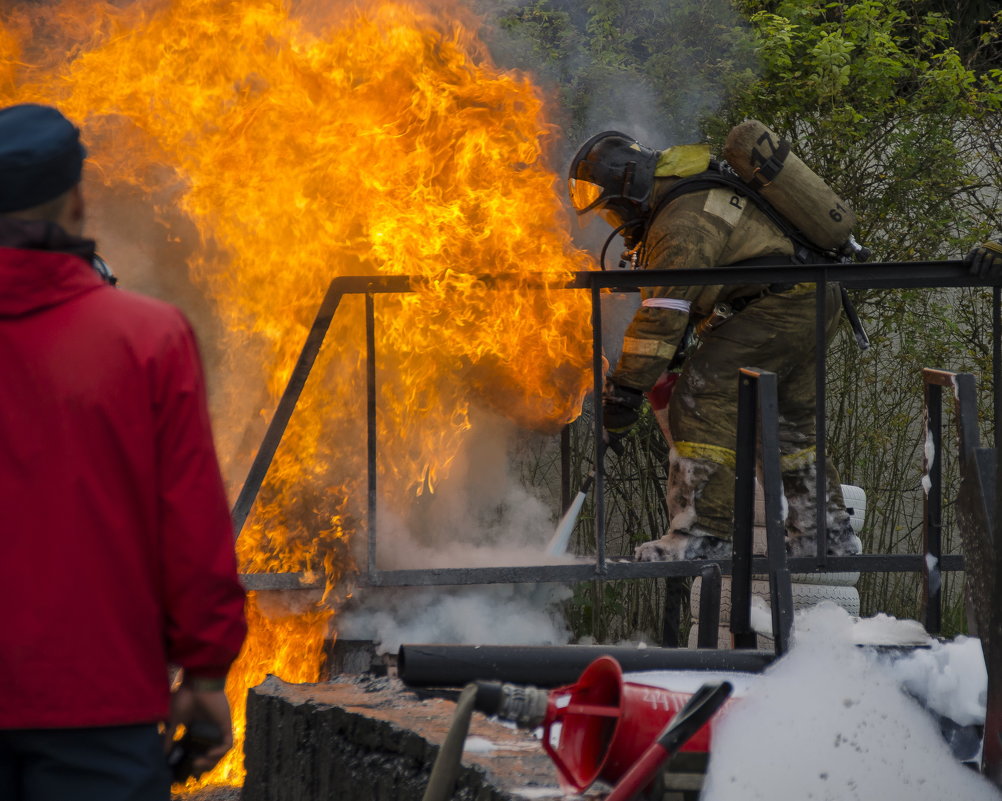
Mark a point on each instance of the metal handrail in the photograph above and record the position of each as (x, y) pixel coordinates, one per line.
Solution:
(871, 275)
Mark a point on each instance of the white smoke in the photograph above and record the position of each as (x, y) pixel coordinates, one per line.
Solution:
(481, 515)
(499, 614)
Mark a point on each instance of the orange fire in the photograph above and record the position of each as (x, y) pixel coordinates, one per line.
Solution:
(276, 146)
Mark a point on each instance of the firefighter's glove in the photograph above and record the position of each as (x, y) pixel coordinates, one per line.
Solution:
(985, 261)
(620, 412)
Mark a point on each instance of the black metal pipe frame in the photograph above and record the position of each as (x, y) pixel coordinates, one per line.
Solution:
(433, 665)
(709, 606)
(875, 275)
(565, 469)
(600, 445)
(932, 518)
(997, 362)
(780, 587)
(820, 408)
(992, 756)
(675, 595)
(742, 633)
(615, 571)
(370, 414)
(758, 422)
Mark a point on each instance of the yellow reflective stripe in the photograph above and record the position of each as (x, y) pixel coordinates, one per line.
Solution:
(701, 450)
(648, 347)
(794, 461)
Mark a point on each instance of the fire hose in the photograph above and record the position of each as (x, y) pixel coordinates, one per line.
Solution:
(446, 768)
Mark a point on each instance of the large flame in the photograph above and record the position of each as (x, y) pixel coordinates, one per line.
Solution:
(284, 147)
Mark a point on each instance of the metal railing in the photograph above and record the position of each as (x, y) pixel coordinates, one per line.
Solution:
(874, 275)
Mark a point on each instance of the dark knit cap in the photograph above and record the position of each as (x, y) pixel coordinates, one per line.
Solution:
(40, 156)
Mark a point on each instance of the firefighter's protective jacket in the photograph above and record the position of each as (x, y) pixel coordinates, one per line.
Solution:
(117, 545)
(706, 228)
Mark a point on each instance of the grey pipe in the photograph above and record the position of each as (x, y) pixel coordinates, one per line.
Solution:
(555, 665)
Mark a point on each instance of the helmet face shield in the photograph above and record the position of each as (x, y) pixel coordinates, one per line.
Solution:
(584, 194)
(612, 170)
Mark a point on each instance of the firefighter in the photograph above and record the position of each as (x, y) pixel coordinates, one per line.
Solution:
(771, 327)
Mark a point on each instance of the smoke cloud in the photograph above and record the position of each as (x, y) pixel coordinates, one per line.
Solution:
(481, 515)
(504, 614)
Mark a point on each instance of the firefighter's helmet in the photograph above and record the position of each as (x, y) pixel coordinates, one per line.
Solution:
(613, 174)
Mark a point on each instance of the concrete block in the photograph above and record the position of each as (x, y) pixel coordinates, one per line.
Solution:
(366, 738)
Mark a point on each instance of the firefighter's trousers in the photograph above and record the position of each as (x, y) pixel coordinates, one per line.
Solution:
(774, 333)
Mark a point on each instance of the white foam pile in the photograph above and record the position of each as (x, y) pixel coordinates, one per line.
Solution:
(831, 721)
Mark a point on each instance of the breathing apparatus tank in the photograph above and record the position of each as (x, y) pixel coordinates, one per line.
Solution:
(766, 163)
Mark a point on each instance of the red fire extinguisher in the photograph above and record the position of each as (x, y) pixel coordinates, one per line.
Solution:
(602, 727)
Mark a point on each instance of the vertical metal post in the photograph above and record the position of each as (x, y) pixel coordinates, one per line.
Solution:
(670, 628)
(709, 606)
(997, 362)
(991, 760)
(965, 392)
(780, 588)
(370, 399)
(932, 517)
(596, 366)
(742, 633)
(820, 449)
(565, 468)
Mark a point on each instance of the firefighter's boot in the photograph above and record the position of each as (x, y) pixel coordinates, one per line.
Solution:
(800, 486)
(700, 497)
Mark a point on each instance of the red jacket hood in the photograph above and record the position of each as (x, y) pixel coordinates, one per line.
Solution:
(31, 280)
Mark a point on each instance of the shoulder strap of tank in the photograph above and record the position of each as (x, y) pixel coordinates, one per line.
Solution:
(720, 174)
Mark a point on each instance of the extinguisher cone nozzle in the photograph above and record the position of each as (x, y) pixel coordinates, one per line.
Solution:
(606, 723)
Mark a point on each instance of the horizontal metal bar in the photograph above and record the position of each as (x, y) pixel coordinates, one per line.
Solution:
(907, 274)
(585, 571)
(864, 563)
(616, 570)
(481, 575)
(281, 581)
(855, 276)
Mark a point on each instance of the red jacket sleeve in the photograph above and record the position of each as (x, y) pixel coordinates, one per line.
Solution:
(203, 597)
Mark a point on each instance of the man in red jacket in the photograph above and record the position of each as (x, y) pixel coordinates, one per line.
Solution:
(116, 545)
